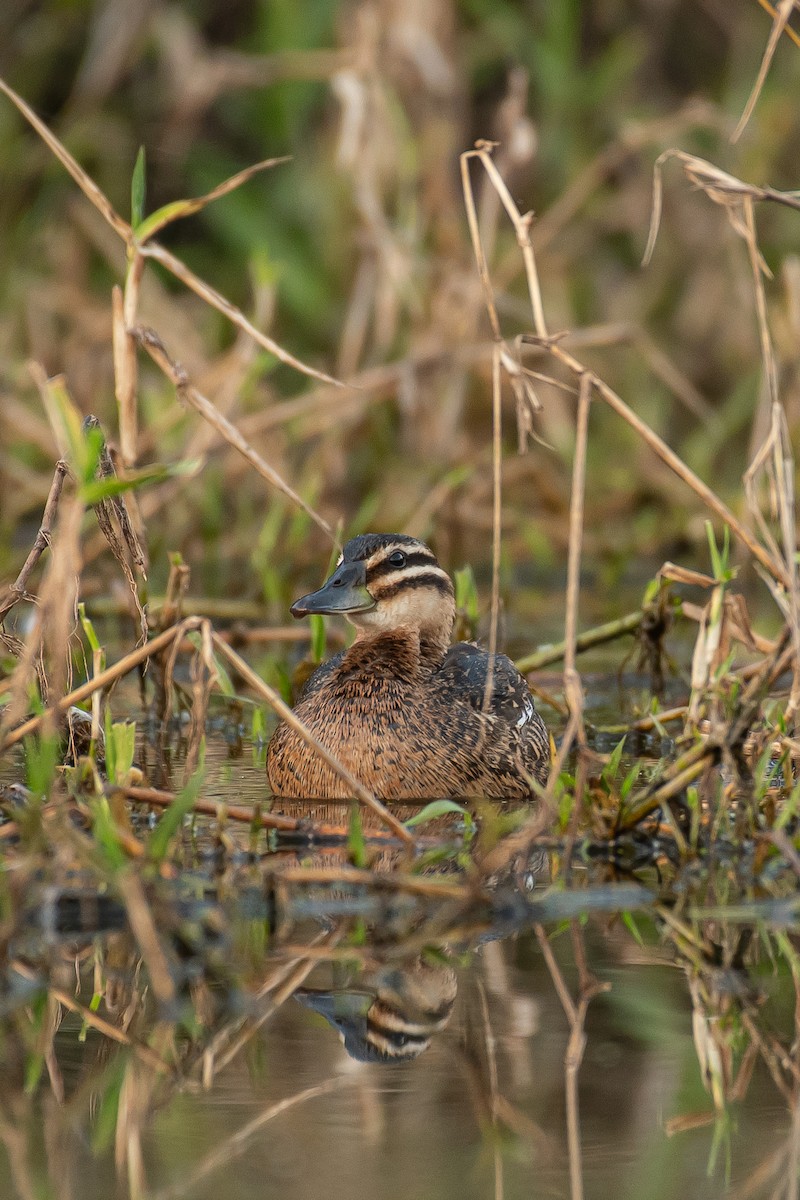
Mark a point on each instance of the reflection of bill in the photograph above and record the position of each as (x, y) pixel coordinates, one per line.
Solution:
(392, 1014)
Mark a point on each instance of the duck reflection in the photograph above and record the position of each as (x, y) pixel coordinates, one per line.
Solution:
(389, 1015)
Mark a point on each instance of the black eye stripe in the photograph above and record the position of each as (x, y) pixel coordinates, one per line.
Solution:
(417, 558)
(429, 580)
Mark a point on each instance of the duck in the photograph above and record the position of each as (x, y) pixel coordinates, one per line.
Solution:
(411, 716)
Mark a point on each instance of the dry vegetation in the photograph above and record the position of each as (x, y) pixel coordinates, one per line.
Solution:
(439, 360)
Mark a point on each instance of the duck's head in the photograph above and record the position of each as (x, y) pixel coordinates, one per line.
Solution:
(387, 581)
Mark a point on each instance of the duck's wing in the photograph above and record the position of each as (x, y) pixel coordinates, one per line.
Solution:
(466, 668)
(319, 677)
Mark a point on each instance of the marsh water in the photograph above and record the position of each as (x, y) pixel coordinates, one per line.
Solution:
(269, 1081)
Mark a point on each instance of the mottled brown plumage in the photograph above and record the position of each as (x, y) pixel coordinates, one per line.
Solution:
(408, 715)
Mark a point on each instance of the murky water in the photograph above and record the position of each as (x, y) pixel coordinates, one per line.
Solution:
(259, 1078)
(294, 1115)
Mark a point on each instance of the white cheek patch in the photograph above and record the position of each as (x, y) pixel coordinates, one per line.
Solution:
(411, 608)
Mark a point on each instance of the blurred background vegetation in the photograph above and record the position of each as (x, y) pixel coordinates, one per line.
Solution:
(355, 256)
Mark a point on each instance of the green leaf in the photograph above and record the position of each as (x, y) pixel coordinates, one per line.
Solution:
(257, 725)
(138, 189)
(630, 924)
(42, 754)
(466, 592)
(105, 1122)
(123, 743)
(106, 836)
(95, 490)
(318, 637)
(437, 808)
(610, 771)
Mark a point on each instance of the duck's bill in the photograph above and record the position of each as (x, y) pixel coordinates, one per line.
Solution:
(345, 592)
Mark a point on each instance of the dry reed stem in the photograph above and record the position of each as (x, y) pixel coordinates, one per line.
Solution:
(159, 798)
(774, 1164)
(204, 676)
(720, 187)
(110, 675)
(283, 710)
(501, 358)
(112, 515)
(757, 270)
(494, 1090)
(477, 242)
(790, 33)
(47, 646)
(123, 346)
(497, 513)
(777, 458)
(241, 814)
(575, 1012)
(780, 22)
(572, 683)
(87, 185)
(151, 342)
(18, 589)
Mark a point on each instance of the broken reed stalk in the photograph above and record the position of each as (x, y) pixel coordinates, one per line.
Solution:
(18, 589)
(110, 675)
(490, 1046)
(149, 340)
(522, 227)
(278, 704)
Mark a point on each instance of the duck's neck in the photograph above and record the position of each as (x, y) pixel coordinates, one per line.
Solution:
(405, 652)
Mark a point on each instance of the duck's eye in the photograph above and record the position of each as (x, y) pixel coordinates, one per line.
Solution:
(397, 559)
